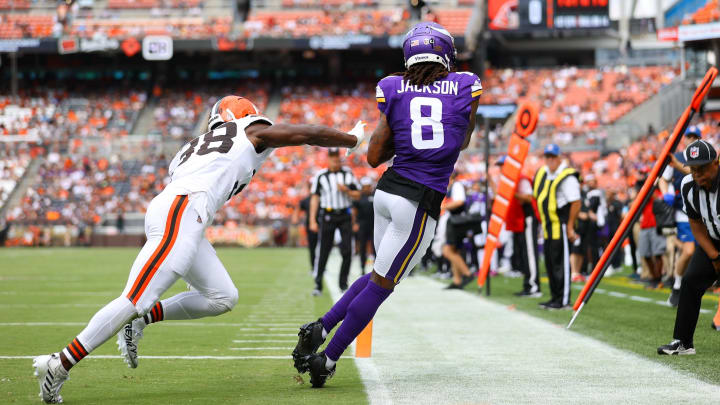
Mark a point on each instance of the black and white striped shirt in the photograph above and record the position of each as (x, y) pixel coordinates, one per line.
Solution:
(325, 184)
(702, 205)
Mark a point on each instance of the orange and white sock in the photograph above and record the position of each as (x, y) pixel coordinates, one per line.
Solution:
(156, 314)
(75, 351)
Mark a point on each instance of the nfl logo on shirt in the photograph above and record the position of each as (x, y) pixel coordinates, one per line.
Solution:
(694, 152)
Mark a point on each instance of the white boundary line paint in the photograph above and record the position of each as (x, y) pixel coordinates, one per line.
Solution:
(240, 326)
(266, 334)
(113, 357)
(103, 357)
(617, 294)
(375, 388)
(265, 341)
(432, 346)
(261, 348)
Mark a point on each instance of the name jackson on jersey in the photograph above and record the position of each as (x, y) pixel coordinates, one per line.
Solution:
(439, 87)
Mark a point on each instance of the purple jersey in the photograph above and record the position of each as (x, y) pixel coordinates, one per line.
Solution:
(428, 123)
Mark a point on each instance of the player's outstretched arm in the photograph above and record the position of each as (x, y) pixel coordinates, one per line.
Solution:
(471, 126)
(274, 136)
(381, 148)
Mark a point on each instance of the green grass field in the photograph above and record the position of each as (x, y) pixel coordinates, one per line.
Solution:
(69, 285)
(629, 324)
(64, 287)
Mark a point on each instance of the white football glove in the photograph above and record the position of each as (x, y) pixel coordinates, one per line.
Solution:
(359, 132)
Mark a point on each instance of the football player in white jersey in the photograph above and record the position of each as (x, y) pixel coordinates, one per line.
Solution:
(208, 171)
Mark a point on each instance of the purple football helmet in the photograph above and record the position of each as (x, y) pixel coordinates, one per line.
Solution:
(429, 42)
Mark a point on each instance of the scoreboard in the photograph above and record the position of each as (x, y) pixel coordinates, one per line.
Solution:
(532, 15)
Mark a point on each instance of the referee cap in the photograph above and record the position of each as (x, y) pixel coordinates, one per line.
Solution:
(699, 153)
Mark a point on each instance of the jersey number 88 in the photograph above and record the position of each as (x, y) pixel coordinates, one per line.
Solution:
(223, 134)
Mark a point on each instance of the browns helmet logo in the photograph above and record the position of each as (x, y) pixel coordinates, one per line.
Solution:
(230, 108)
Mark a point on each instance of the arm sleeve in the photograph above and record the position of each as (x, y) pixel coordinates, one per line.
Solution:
(476, 89)
(570, 187)
(457, 192)
(315, 187)
(524, 187)
(668, 173)
(352, 181)
(380, 96)
(686, 189)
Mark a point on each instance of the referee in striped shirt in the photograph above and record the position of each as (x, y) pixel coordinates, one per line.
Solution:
(333, 190)
(701, 203)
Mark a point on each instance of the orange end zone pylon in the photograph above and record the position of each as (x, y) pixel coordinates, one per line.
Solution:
(527, 118)
(643, 196)
(363, 342)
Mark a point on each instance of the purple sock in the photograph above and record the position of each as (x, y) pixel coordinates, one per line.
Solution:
(359, 313)
(337, 312)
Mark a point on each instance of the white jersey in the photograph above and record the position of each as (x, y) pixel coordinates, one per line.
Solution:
(219, 163)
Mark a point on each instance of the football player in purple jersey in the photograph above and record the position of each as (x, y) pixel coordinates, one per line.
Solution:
(427, 117)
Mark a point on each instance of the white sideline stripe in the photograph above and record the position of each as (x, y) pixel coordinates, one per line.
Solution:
(267, 334)
(240, 326)
(432, 346)
(264, 341)
(261, 348)
(101, 357)
(636, 298)
(45, 306)
(376, 389)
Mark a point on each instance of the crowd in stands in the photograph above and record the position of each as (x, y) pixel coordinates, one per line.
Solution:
(56, 113)
(327, 105)
(708, 13)
(76, 185)
(298, 18)
(14, 160)
(176, 112)
(76, 189)
(562, 95)
(305, 23)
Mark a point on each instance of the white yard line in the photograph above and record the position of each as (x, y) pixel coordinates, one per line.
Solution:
(102, 357)
(265, 341)
(432, 346)
(635, 298)
(240, 326)
(261, 348)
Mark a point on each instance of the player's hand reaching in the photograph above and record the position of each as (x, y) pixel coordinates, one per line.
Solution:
(359, 132)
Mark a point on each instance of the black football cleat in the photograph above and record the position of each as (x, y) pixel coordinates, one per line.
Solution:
(309, 340)
(676, 347)
(318, 372)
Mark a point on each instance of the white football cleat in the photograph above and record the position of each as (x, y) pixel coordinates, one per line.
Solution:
(359, 132)
(127, 341)
(51, 376)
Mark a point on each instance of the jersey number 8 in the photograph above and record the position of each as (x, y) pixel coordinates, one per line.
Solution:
(223, 134)
(433, 120)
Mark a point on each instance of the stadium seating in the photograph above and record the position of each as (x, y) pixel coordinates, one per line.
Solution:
(177, 112)
(562, 93)
(303, 23)
(708, 13)
(72, 189)
(15, 26)
(14, 4)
